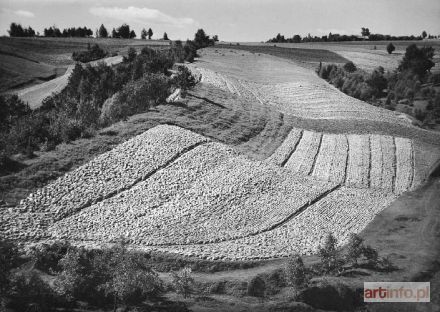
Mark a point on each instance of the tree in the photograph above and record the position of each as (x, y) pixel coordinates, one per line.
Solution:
(365, 32)
(127, 278)
(132, 34)
(417, 60)
(183, 282)
(165, 36)
(296, 272)
(256, 287)
(124, 31)
(15, 30)
(215, 38)
(424, 34)
(114, 34)
(202, 40)
(144, 34)
(390, 48)
(102, 31)
(329, 254)
(150, 33)
(355, 248)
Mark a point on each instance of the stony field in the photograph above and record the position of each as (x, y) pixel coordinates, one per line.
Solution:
(170, 189)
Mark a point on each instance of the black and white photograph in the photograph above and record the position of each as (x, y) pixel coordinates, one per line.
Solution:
(207, 155)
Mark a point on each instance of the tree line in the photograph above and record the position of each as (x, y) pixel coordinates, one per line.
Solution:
(365, 36)
(411, 81)
(123, 31)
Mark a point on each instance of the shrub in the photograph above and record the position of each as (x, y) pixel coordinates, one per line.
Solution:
(183, 282)
(256, 287)
(329, 254)
(184, 79)
(350, 67)
(390, 48)
(296, 272)
(355, 248)
(9, 259)
(91, 54)
(46, 257)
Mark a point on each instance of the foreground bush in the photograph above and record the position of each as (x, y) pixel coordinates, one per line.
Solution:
(183, 282)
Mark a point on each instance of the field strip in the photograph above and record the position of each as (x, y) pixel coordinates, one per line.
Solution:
(342, 212)
(283, 153)
(112, 172)
(404, 165)
(302, 159)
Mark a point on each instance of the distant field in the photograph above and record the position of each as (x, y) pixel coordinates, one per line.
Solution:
(365, 54)
(27, 61)
(309, 58)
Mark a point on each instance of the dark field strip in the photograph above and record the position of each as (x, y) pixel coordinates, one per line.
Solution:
(304, 56)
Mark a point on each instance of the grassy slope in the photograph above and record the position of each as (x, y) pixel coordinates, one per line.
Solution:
(26, 61)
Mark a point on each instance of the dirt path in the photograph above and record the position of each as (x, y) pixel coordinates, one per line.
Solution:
(35, 95)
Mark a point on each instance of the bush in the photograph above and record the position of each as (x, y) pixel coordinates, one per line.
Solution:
(256, 287)
(330, 256)
(46, 257)
(183, 282)
(390, 48)
(184, 79)
(355, 248)
(350, 67)
(9, 259)
(91, 54)
(296, 272)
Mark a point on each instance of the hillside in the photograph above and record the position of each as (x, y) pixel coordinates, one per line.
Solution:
(29, 61)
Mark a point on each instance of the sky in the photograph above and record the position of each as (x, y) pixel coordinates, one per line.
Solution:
(231, 20)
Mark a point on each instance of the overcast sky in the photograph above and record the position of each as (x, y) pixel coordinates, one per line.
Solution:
(231, 20)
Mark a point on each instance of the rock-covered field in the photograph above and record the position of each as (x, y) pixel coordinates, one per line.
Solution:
(170, 189)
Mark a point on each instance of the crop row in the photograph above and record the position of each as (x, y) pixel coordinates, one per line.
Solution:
(303, 158)
(404, 164)
(331, 161)
(111, 172)
(375, 161)
(342, 212)
(358, 165)
(382, 162)
(209, 194)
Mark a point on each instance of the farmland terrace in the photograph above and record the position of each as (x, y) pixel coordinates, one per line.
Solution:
(210, 193)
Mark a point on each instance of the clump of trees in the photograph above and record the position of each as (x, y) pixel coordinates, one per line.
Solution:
(124, 32)
(92, 53)
(412, 80)
(105, 278)
(54, 31)
(16, 30)
(93, 98)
